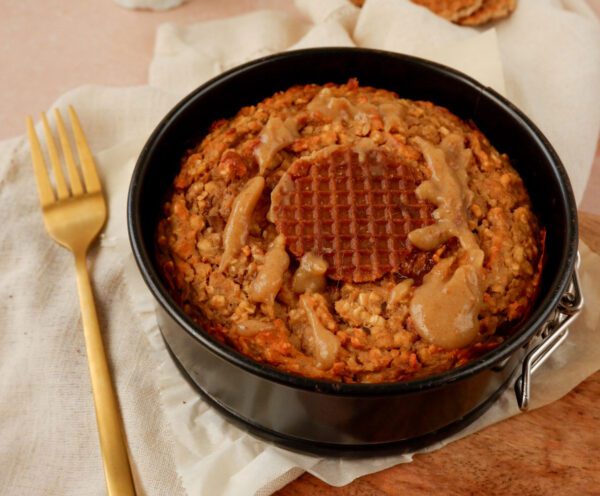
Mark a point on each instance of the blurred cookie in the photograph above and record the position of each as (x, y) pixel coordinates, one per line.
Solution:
(465, 12)
(489, 11)
(453, 10)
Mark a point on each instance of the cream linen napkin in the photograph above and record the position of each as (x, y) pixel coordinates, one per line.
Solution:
(48, 444)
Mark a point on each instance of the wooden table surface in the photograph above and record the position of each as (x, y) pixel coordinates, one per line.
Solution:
(554, 450)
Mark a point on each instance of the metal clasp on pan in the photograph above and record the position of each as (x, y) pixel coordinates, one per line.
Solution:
(553, 333)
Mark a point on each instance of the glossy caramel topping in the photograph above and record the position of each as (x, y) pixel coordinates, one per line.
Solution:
(323, 343)
(338, 108)
(310, 276)
(445, 307)
(269, 279)
(342, 109)
(399, 293)
(275, 136)
(449, 191)
(238, 223)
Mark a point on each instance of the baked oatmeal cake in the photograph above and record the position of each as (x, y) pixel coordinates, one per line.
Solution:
(343, 233)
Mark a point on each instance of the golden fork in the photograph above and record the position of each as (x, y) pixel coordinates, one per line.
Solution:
(73, 217)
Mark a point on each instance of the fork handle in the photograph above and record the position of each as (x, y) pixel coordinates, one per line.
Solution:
(113, 447)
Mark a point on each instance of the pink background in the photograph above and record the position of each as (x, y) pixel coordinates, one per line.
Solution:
(50, 46)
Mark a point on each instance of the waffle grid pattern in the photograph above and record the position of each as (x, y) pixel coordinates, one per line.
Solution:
(354, 213)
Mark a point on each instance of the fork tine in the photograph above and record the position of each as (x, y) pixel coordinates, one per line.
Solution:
(90, 175)
(76, 186)
(61, 186)
(39, 167)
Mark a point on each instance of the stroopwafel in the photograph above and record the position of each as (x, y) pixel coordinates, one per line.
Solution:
(355, 209)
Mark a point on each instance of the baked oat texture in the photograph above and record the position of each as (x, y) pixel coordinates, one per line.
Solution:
(329, 329)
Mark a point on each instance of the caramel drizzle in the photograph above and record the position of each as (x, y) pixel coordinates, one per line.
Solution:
(445, 307)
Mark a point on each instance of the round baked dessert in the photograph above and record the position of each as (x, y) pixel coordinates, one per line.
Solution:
(340, 232)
